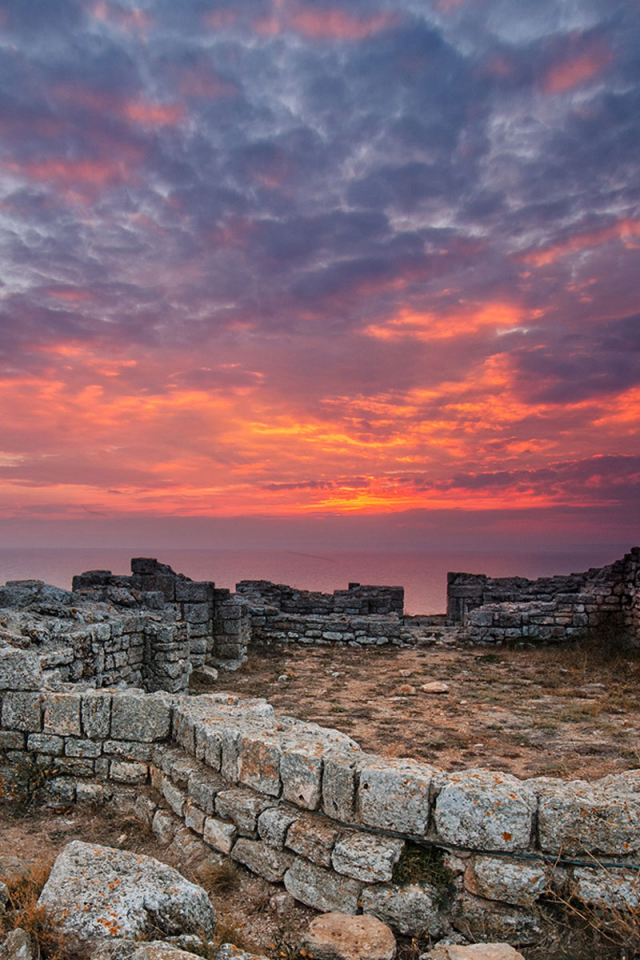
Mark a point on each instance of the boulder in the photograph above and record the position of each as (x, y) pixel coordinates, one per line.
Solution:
(473, 951)
(340, 936)
(101, 892)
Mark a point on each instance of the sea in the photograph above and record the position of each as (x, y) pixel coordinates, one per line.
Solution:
(423, 575)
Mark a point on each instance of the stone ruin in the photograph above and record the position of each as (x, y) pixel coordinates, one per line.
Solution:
(93, 690)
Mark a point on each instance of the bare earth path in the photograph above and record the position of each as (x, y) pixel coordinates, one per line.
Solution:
(545, 712)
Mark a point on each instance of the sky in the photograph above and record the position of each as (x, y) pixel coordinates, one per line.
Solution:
(363, 270)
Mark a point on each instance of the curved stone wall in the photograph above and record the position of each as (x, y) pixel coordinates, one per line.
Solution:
(304, 805)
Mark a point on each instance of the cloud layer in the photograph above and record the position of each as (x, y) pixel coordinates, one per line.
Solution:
(296, 258)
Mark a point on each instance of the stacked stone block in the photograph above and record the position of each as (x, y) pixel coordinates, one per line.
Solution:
(552, 609)
(357, 600)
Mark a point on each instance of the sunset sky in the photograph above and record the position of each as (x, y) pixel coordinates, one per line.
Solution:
(369, 267)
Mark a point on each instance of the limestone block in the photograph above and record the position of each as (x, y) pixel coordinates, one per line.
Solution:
(22, 711)
(124, 771)
(394, 794)
(219, 835)
(412, 910)
(339, 785)
(96, 714)
(243, 807)
(263, 859)
(14, 740)
(273, 824)
(519, 882)
(322, 889)
(77, 747)
(208, 745)
(196, 612)
(145, 808)
(312, 838)
(163, 826)
(203, 788)
(485, 809)
(175, 797)
(339, 936)
(258, 760)
(577, 817)
(19, 669)
(193, 817)
(140, 716)
(615, 889)
(128, 749)
(476, 919)
(98, 892)
(183, 769)
(92, 793)
(366, 857)
(188, 591)
(62, 714)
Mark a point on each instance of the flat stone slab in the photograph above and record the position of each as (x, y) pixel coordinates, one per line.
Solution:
(339, 936)
(474, 951)
(101, 892)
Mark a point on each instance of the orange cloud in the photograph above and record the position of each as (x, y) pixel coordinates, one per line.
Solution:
(148, 113)
(576, 70)
(408, 324)
(624, 230)
(69, 173)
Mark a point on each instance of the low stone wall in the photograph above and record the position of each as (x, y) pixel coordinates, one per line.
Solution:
(269, 626)
(304, 805)
(357, 600)
(549, 609)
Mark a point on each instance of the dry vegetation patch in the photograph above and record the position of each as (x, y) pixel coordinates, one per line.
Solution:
(566, 712)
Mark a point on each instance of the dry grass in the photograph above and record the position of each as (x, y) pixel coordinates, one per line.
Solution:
(24, 912)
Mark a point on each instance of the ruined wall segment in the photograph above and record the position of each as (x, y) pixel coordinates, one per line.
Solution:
(357, 600)
(550, 609)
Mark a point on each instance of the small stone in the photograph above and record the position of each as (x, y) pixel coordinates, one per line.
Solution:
(282, 904)
(406, 690)
(434, 686)
(19, 946)
(339, 936)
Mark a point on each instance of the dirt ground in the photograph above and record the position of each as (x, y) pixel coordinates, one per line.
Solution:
(532, 712)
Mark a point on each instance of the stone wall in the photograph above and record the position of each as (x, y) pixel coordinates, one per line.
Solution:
(95, 642)
(549, 609)
(357, 600)
(216, 624)
(304, 805)
(270, 626)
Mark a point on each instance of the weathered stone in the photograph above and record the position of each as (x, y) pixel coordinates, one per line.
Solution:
(614, 889)
(312, 838)
(229, 952)
(163, 826)
(340, 936)
(577, 817)
(46, 743)
(136, 716)
(125, 771)
(474, 951)
(434, 686)
(366, 857)
(203, 788)
(259, 763)
(19, 669)
(262, 858)
(77, 747)
(413, 910)
(62, 714)
(243, 807)
(394, 795)
(99, 891)
(485, 810)
(22, 711)
(273, 824)
(339, 785)
(175, 797)
(511, 881)
(219, 835)
(476, 919)
(19, 945)
(322, 889)
(96, 714)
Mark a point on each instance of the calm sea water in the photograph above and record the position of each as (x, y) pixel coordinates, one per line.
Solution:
(423, 575)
